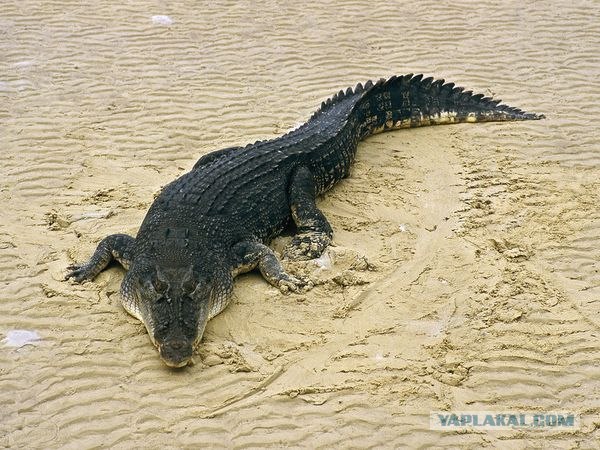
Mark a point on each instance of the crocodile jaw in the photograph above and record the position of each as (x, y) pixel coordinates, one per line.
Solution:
(178, 352)
(175, 344)
(177, 366)
(175, 357)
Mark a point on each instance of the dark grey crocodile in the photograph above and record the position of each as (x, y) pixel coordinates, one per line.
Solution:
(215, 221)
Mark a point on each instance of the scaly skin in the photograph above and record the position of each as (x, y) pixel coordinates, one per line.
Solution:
(215, 221)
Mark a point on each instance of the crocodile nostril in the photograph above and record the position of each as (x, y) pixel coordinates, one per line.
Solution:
(177, 345)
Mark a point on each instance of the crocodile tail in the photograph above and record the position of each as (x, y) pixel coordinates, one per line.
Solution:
(413, 101)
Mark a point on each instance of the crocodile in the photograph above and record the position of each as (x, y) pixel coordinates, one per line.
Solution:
(216, 221)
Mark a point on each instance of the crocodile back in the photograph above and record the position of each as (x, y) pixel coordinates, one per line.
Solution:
(247, 190)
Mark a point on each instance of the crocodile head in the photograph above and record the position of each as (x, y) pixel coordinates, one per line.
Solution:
(174, 304)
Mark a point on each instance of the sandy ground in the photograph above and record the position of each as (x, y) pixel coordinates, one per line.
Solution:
(465, 270)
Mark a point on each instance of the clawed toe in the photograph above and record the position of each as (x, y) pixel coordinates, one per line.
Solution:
(293, 284)
(78, 273)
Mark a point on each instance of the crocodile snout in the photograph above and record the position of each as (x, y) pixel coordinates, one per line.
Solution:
(176, 352)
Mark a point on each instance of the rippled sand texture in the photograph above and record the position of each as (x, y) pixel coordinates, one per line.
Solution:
(465, 271)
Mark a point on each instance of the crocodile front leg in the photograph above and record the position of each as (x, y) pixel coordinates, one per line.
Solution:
(314, 232)
(249, 255)
(117, 247)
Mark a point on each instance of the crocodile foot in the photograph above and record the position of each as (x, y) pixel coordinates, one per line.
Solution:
(114, 247)
(80, 272)
(306, 246)
(287, 283)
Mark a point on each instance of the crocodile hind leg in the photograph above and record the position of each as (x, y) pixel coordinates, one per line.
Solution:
(314, 232)
(117, 247)
(249, 255)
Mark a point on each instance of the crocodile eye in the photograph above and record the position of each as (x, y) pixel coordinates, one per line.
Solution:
(202, 289)
(160, 282)
(190, 281)
(159, 285)
(162, 299)
(189, 285)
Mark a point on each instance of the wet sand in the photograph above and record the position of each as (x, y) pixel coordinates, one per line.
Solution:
(465, 271)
